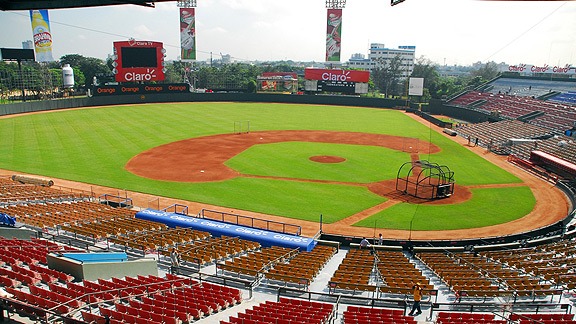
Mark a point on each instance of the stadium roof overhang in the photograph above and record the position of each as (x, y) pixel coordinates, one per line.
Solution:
(60, 4)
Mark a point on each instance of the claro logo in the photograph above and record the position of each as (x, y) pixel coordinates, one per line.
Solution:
(329, 76)
(133, 76)
(517, 68)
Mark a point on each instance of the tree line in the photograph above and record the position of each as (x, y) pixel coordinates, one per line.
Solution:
(386, 79)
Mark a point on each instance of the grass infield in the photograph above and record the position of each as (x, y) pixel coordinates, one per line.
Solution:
(94, 145)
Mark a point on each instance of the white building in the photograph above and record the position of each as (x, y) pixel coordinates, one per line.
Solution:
(27, 44)
(380, 55)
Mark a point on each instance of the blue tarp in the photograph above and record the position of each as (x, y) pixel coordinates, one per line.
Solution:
(7, 219)
(217, 229)
(97, 257)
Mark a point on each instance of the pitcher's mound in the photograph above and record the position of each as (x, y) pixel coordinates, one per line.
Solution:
(327, 159)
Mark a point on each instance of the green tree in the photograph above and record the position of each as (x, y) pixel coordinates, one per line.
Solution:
(387, 75)
(424, 68)
(486, 72)
(89, 66)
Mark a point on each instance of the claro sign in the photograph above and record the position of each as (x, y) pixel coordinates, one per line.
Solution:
(337, 75)
(545, 68)
(138, 61)
(130, 89)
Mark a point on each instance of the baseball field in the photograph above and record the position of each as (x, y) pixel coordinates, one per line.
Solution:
(294, 162)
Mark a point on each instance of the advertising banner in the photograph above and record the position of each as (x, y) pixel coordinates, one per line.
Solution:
(337, 75)
(416, 87)
(187, 34)
(333, 34)
(141, 89)
(293, 75)
(545, 68)
(42, 36)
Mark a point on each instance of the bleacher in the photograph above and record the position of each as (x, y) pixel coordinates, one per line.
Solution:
(566, 97)
(522, 275)
(557, 116)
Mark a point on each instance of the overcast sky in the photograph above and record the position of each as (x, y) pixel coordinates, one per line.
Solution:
(444, 31)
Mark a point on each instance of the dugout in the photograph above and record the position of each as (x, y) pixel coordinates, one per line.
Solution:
(425, 180)
(554, 164)
(266, 238)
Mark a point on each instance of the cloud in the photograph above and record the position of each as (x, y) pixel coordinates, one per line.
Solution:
(143, 31)
(252, 6)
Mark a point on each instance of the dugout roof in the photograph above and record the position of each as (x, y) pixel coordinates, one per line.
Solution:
(60, 4)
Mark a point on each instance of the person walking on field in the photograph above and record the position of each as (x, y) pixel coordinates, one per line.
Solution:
(417, 292)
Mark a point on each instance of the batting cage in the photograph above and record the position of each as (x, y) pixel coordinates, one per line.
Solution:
(425, 180)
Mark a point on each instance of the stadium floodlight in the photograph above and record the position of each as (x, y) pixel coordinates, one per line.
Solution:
(395, 2)
(186, 3)
(335, 4)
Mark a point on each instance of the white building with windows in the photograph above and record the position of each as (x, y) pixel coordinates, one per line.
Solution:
(380, 55)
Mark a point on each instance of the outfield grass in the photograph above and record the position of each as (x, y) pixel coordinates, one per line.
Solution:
(94, 145)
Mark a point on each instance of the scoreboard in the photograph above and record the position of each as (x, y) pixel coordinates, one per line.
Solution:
(337, 86)
(138, 61)
(334, 80)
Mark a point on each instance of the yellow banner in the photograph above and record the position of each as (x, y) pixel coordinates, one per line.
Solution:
(42, 35)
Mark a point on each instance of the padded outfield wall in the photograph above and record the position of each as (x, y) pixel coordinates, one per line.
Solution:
(33, 106)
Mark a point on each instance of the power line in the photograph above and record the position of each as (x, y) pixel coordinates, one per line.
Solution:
(526, 31)
(119, 35)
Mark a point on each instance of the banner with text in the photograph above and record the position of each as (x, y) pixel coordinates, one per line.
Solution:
(42, 35)
(187, 34)
(333, 35)
(545, 68)
(336, 75)
(141, 89)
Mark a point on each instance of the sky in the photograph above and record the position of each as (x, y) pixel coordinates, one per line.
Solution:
(451, 32)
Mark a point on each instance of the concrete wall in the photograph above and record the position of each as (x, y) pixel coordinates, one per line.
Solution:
(438, 107)
(19, 233)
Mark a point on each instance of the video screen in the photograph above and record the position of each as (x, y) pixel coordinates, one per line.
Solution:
(139, 57)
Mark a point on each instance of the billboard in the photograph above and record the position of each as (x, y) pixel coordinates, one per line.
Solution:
(333, 35)
(416, 86)
(286, 82)
(42, 35)
(187, 34)
(293, 75)
(138, 61)
(336, 75)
